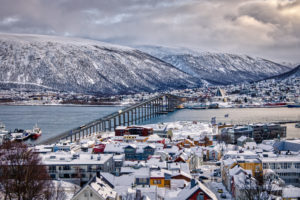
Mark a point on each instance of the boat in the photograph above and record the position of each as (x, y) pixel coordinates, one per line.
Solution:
(297, 125)
(3, 133)
(22, 136)
(213, 106)
(293, 106)
(36, 132)
(274, 105)
(18, 135)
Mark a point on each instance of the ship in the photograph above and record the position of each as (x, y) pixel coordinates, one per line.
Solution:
(36, 132)
(293, 106)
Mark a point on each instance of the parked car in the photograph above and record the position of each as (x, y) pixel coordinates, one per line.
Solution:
(220, 190)
(203, 178)
(223, 196)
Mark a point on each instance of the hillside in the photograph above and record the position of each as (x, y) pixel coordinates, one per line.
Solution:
(219, 68)
(87, 66)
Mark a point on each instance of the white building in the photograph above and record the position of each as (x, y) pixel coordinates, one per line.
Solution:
(76, 167)
(287, 167)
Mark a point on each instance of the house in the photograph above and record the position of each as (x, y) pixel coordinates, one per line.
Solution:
(242, 140)
(182, 176)
(160, 178)
(139, 152)
(96, 189)
(194, 191)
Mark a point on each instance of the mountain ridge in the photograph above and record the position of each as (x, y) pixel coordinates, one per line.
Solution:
(88, 66)
(220, 68)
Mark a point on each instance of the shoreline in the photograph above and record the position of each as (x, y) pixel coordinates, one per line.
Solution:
(125, 105)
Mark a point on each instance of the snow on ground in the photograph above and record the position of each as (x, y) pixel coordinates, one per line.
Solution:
(183, 129)
(215, 186)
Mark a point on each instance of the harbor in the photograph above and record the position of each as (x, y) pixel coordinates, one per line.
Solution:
(55, 120)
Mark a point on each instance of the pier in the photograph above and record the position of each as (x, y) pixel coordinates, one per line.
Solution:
(133, 115)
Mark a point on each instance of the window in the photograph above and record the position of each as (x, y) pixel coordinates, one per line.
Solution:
(52, 176)
(52, 168)
(157, 181)
(66, 175)
(265, 166)
(142, 180)
(200, 196)
(272, 165)
(297, 165)
(66, 167)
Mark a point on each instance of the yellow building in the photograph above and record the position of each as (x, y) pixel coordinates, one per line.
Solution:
(255, 165)
(160, 179)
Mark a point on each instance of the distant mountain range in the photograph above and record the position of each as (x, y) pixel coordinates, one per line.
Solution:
(290, 74)
(79, 65)
(88, 66)
(218, 68)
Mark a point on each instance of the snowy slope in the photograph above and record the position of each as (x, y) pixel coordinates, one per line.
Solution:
(294, 73)
(220, 68)
(79, 65)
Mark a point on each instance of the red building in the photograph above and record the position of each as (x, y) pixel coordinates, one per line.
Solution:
(196, 190)
(133, 130)
(99, 148)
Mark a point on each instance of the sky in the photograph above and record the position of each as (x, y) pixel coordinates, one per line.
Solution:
(262, 28)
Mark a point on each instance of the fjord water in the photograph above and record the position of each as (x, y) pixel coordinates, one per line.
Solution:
(54, 120)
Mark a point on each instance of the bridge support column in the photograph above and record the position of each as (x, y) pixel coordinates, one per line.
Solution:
(109, 125)
(123, 119)
(103, 126)
(127, 116)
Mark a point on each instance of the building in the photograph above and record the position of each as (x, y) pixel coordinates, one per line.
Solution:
(78, 168)
(96, 189)
(258, 132)
(161, 178)
(139, 152)
(287, 167)
(133, 130)
(194, 191)
(268, 131)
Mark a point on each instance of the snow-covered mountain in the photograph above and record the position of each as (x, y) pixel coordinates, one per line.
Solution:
(294, 73)
(219, 68)
(79, 65)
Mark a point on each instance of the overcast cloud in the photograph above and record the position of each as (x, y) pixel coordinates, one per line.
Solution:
(262, 28)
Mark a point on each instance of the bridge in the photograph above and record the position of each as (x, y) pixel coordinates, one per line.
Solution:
(138, 113)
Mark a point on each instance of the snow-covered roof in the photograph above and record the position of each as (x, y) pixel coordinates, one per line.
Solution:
(291, 192)
(66, 158)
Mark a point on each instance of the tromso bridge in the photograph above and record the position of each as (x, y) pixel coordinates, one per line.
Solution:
(138, 113)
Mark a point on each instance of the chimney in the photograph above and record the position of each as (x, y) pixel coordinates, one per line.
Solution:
(138, 195)
(193, 183)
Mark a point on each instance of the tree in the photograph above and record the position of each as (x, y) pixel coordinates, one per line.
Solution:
(22, 175)
(206, 141)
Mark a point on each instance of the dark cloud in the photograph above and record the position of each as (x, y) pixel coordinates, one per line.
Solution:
(264, 28)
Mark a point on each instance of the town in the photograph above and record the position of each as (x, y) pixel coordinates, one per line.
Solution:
(267, 93)
(177, 160)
